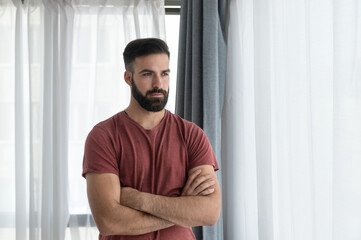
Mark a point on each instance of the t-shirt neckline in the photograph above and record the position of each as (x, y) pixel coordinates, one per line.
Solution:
(150, 131)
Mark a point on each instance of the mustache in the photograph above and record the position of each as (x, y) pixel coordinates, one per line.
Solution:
(156, 90)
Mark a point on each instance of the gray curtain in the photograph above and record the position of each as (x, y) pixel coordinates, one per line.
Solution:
(201, 76)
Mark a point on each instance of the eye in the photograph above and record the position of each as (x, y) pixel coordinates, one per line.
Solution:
(165, 74)
(147, 74)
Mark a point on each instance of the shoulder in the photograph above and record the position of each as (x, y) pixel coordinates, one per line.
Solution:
(184, 124)
(110, 122)
(190, 131)
(106, 131)
(108, 126)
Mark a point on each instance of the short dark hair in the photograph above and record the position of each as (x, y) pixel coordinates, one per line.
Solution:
(143, 47)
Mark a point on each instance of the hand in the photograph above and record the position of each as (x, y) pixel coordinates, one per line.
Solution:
(198, 185)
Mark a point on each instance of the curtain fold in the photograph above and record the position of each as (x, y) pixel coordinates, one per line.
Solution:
(60, 73)
(290, 126)
(20, 135)
(201, 76)
(58, 36)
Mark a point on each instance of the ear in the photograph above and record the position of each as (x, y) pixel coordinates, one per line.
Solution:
(128, 77)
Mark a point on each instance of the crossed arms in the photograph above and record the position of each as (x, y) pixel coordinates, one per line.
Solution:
(126, 211)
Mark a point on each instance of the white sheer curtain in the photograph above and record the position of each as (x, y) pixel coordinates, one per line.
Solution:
(35, 82)
(60, 73)
(291, 123)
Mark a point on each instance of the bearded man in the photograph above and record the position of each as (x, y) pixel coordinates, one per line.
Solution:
(150, 174)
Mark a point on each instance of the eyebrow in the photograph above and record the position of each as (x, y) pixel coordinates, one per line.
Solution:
(151, 71)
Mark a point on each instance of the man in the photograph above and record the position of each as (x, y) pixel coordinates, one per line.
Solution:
(150, 174)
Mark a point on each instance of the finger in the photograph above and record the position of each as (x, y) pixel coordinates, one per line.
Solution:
(199, 180)
(206, 192)
(190, 179)
(204, 186)
(190, 190)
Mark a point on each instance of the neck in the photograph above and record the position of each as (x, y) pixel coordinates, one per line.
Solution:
(148, 120)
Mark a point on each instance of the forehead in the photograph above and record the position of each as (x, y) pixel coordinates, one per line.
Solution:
(152, 61)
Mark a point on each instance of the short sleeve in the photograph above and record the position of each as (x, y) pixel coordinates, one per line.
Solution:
(99, 154)
(200, 151)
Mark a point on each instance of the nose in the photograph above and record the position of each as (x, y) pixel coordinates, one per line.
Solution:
(157, 81)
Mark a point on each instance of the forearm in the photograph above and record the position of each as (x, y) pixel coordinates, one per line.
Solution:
(185, 211)
(122, 220)
(110, 216)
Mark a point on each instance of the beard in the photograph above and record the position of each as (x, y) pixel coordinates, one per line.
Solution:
(149, 103)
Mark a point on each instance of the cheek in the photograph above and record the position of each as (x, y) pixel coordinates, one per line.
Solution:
(166, 84)
(143, 86)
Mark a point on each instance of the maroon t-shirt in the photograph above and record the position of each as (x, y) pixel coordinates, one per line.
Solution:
(155, 161)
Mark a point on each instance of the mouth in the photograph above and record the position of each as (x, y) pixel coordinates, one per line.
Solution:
(156, 95)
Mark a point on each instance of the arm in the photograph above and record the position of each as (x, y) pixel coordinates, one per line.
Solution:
(111, 217)
(184, 211)
(104, 193)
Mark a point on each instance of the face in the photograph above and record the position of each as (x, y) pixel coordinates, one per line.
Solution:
(150, 81)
